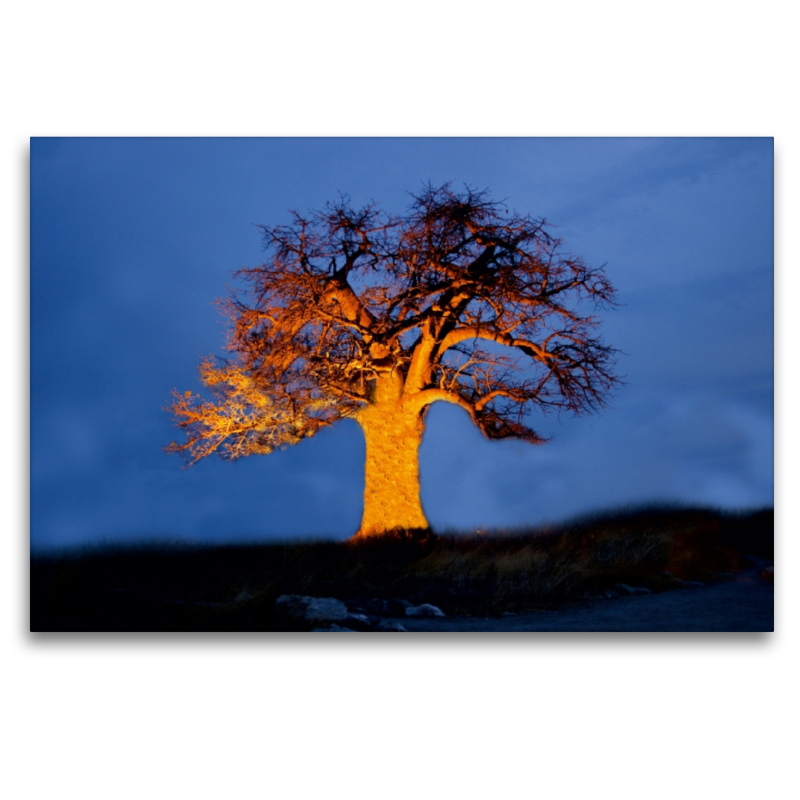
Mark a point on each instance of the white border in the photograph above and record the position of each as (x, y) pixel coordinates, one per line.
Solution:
(558, 715)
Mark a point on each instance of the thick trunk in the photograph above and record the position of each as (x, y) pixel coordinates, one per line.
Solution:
(391, 491)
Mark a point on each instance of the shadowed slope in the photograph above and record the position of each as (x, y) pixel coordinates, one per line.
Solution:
(235, 587)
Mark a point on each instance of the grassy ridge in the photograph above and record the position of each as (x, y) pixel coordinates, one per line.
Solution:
(235, 587)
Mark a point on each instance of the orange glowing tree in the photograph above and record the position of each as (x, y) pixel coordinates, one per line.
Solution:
(358, 314)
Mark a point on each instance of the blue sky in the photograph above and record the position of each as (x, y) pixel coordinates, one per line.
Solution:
(132, 240)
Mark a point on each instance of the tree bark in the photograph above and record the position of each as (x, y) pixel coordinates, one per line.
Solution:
(391, 490)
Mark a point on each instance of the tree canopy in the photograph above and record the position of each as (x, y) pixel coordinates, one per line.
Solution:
(458, 300)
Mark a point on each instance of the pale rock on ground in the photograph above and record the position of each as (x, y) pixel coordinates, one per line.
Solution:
(633, 589)
(329, 609)
(391, 625)
(424, 610)
(314, 608)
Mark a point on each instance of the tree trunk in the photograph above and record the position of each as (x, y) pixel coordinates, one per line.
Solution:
(391, 490)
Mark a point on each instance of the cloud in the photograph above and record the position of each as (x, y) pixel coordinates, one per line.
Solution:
(695, 448)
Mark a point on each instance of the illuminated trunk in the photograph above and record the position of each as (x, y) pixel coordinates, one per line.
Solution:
(391, 490)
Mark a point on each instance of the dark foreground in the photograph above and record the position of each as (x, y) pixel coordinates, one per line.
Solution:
(645, 570)
(742, 603)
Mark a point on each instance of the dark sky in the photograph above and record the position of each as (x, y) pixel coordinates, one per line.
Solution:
(132, 240)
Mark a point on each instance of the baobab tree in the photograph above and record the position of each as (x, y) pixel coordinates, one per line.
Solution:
(358, 314)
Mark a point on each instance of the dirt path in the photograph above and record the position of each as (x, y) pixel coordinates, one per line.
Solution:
(744, 603)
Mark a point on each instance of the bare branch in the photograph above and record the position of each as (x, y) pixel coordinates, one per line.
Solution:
(348, 296)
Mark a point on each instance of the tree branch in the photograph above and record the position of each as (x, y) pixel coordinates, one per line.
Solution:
(461, 334)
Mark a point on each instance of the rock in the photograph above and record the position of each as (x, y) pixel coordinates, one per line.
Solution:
(317, 608)
(360, 622)
(633, 589)
(326, 608)
(424, 610)
(391, 625)
(768, 574)
(387, 608)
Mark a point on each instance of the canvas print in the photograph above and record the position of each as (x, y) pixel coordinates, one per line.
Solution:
(380, 385)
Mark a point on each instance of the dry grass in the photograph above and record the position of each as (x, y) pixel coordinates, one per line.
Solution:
(161, 588)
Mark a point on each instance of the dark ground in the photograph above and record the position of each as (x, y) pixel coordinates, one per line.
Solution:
(745, 602)
(652, 569)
